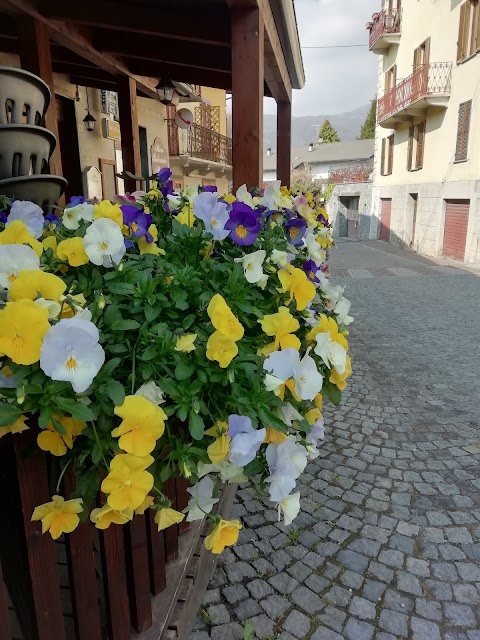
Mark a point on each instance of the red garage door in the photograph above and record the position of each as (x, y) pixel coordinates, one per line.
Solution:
(455, 234)
(385, 217)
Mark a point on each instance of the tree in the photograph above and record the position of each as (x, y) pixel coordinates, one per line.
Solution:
(327, 133)
(367, 132)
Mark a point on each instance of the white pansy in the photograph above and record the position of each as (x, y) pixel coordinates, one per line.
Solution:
(279, 257)
(52, 307)
(245, 440)
(174, 201)
(104, 243)
(15, 258)
(252, 265)
(72, 216)
(201, 501)
(271, 194)
(243, 195)
(341, 311)
(262, 283)
(288, 414)
(331, 352)
(286, 461)
(6, 382)
(152, 392)
(30, 214)
(308, 380)
(273, 384)
(315, 252)
(281, 364)
(317, 433)
(290, 507)
(70, 352)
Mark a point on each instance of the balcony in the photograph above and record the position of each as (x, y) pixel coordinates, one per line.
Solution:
(428, 86)
(199, 149)
(350, 174)
(384, 31)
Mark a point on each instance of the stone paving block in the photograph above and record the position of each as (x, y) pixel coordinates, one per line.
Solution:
(322, 633)
(275, 606)
(283, 583)
(332, 617)
(218, 614)
(259, 589)
(353, 561)
(232, 631)
(381, 571)
(317, 583)
(394, 622)
(262, 626)
(408, 583)
(247, 609)
(297, 624)
(362, 608)
(199, 635)
(468, 571)
(351, 579)
(299, 571)
(392, 558)
(428, 609)
(338, 596)
(307, 600)
(398, 601)
(459, 615)
(358, 630)
(424, 630)
(211, 596)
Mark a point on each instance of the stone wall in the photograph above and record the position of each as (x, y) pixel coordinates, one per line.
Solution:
(360, 221)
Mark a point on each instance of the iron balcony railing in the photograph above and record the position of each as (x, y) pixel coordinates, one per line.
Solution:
(432, 79)
(199, 142)
(383, 22)
(350, 174)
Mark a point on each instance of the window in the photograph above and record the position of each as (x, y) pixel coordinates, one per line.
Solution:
(386, 167)
(391, 78)
(468, 30)
(416, 146)
(463, 130)
(421, 54)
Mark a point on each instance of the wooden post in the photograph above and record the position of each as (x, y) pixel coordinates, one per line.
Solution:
(138, 573)
(247, 90)
(284, 141)
(127, 105)
(4, 621)
(34, 47)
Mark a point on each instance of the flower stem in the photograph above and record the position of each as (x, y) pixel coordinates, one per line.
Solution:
(99, 446)
(61, 476)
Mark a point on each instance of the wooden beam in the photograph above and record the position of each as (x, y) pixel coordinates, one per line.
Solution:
(34, 49)
(198, 25)
(94, 84)
(247, 102)
(284, 141)
(127, 106)
(181, 73)
(69, 36)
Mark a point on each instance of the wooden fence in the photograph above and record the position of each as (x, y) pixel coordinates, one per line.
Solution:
(91, 584)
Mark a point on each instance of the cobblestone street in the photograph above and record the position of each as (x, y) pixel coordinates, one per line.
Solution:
(387, 545)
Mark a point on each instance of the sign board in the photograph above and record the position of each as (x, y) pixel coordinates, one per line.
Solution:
(92, 183)
(111, 129)
(110, 103)
(159, 155)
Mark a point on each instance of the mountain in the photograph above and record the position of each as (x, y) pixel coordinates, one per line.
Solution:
(305, 128)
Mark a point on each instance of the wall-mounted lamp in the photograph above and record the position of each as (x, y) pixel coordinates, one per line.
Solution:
(165, 90)
(89, 121)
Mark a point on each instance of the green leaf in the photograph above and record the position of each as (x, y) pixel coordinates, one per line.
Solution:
(253, 468)
(269, 419)
(248, 632)
(182, 413)
(121, 288)
(116, 392)
(125, 325)
(59, 428)
(332, 392)
(165, 473)
(118, 348)
(87, 487)
(196, 425)
(44, 417)
(110, 367)
(77, 410)
(188, 321)
(152, 312)
(8, 414)
(180, 230)
(183, 371)
(149, 354)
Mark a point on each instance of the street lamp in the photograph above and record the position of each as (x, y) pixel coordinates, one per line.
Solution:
(165, 90)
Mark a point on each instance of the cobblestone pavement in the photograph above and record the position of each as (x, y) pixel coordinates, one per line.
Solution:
(388, 543)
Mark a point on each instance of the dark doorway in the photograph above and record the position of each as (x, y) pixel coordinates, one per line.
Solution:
(142, 132)
(348, 210)
(69, 147)
(414, 198)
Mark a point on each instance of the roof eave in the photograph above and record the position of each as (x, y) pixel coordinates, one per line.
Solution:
(285, 18)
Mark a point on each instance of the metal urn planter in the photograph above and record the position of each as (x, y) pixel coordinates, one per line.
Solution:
(26, 146)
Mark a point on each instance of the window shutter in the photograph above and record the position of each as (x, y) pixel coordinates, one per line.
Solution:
(410, 148)
(477, 31)
(382, 162)
(390, 154)
(416, 58)
(426, 48)
(464, 114)
(463, 24)
(420, 145)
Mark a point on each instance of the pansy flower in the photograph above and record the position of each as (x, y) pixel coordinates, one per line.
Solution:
(243, 224)
(210, 188)
(29, 213)
(166, 185)
(213, 213)
(137, 221)
(74, 200)
(3, 217)
(311, 269)
(51, 222)
(296, 229)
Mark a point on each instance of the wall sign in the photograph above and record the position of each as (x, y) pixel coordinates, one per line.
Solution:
(110, 103)
(111, 129)
(159, 155)
(92, 183)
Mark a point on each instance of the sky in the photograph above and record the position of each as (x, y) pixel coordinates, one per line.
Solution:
(337, 80)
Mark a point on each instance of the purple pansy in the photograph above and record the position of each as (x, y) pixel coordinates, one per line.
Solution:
(166, 185)
(51, 221)
(3, 217)
(74, 200)
(210, 188)
(243, 223)
(296, 228)
(311, 269)
(137, 221)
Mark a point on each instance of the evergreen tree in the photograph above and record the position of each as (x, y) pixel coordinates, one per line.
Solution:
(367, 132)
(327, 133)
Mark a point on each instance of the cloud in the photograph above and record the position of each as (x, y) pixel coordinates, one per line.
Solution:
(337, 80)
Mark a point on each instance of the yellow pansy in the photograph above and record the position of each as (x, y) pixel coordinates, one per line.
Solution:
(319, 400)
(23, 325)
(31, 283)
(329, 325)
(106, 209)
(229, 199)
(290, 384)
(340, 378)
(309, 195)
(57, 443)
(143, 424)
(59, 516)
(223, 534)
(274, 436)
(186, 216)
(154, 191)
(221, 349)
(219, 428)
(186, 342)
(150, 247)
(167, 517)
(296, 282)
(17, 233)
(72, 250)
(146, 504)
(17, 427)
(128, 483)
(281, 325)
(50, 242)
(78, 302)
(219, 449)
(323, 212)
(223, 319)
(313, 415)
(105, 516)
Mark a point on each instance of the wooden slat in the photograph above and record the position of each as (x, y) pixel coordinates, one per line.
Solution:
(5, 633)
(183, 497)
(115, 580)
(138, 573)
(284, 141)
(171, 534)
(34, 490)
(82, 574)
(156, 551)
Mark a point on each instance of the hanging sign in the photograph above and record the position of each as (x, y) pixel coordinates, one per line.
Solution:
(159, 155)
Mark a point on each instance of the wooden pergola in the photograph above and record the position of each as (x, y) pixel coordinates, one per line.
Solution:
(248, 47)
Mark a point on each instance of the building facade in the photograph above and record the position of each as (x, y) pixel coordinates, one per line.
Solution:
(427, 165)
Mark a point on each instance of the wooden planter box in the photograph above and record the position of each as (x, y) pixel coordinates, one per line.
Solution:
(128, 582)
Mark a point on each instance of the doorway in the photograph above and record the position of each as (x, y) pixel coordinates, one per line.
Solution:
(414, 202)
(108, 169)
(69, 147)
(142, 133)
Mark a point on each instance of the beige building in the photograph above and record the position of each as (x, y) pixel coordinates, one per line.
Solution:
(427, 162)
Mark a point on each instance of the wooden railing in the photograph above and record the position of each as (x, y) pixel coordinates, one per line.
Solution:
(383, 22)
(199, 142)
(428, 79)
(91, 584)
(350, 174)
